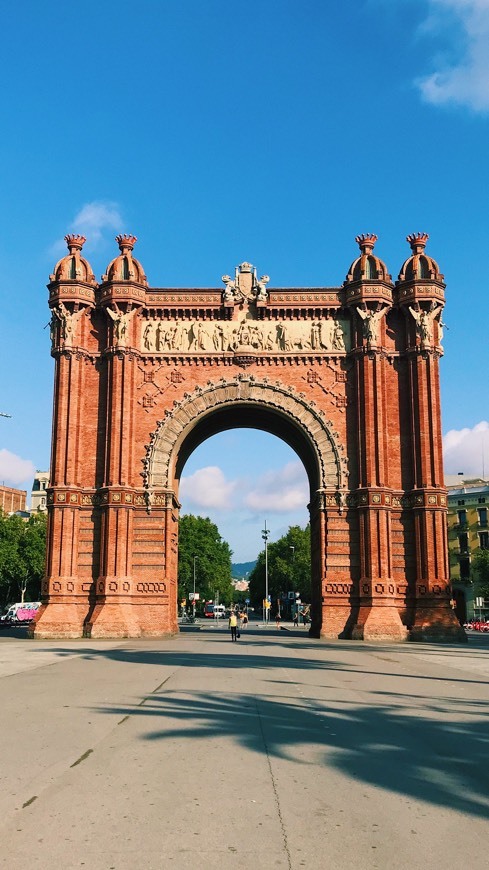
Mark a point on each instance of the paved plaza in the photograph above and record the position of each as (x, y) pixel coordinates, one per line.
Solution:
(274, 752)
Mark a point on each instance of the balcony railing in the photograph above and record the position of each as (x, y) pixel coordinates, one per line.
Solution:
(461, 527)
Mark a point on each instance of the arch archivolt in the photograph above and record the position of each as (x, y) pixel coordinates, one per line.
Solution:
(171, 432)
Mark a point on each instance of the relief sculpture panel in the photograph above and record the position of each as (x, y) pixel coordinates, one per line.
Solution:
(331, 335)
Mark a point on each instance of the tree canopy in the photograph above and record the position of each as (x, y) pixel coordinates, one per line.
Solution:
(200, 538)
(480, 567)
(22, 557)
(289, 568)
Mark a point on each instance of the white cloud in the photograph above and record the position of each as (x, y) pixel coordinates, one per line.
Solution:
(92, 221)
(464, 80)
(467, 450)
(95, 217)
(14, 470)
(207, 488)
(279, 491)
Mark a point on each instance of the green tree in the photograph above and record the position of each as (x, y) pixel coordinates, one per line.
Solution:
(289, 568)
(480, 567)
(22, 557)
(199, 539)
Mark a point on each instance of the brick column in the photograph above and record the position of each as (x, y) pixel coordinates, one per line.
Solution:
(434, 618)
(378, 616)
(332, 541)
(64, 601)
(420, 295)
(114, 614)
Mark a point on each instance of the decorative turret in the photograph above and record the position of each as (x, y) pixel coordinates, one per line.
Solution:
(420, 293)
(367, 267)
(73, 267)
(125, 267)
(368, 287)
(419, 266)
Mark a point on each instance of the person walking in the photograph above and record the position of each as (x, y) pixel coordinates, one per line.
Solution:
(277, 620)
(233, 624)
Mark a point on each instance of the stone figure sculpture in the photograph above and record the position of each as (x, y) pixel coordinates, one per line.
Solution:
(424, 323)
(229, 289)
(67, 322)
(338, 342)
(148, 339)
(283, 336)
(261, 289)
(121, 322)
(441, 327)
(220, 336)
(371, 323)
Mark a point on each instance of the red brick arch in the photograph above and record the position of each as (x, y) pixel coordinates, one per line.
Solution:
(326, 462)
(347, 376)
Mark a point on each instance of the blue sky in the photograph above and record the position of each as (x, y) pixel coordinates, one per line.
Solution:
(217, 132)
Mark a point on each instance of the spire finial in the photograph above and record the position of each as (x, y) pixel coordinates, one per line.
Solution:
(417, 242)
(126, 242)
(75, 242)
(366, 242)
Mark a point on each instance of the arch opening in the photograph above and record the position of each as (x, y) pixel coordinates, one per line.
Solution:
(252, 403)
(270, 407)
(236, 483)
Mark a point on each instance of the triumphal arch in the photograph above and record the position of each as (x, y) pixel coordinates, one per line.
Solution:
(347, 376)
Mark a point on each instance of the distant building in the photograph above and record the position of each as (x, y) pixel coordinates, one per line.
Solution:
(468, 532)
(38, 494)
(12, 500)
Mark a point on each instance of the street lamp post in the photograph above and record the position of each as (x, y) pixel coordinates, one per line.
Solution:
(265, 534)
(193, 601)
(293, 567)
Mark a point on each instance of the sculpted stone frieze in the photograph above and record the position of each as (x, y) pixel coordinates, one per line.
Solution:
(331, 335)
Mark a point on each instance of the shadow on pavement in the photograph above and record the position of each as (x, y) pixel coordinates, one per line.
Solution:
(411, 754)
(430, 747)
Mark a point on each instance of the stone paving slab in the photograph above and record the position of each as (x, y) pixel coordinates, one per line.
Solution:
(277, 751)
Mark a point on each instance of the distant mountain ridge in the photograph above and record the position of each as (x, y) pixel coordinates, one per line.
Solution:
(239, 570)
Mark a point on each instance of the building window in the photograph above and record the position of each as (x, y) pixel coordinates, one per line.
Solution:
(484, 540)
(481, 500)
(462, 517)
(482, 516)
(462, 501)
(463, 542)
(464, 569)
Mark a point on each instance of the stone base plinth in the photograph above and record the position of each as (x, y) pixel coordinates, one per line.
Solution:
(379, 622)
(337, 622)
(111, 620)
(439, 625)
(59, 620)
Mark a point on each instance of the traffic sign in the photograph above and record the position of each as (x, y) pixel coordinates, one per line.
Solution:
(247, 600)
